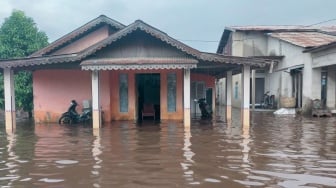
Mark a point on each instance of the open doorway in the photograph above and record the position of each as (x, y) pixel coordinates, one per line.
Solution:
(148, 94)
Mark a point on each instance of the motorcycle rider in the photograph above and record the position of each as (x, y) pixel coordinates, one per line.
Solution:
(205, 109)
(72, 108)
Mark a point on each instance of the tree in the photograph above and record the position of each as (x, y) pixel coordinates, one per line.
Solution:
(19, 37)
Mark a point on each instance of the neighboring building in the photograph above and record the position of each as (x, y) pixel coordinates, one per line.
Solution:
(304, 62)
(120, 68)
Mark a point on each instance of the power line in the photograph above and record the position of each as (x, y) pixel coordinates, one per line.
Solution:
(213, 41)
(320, 22)
(194, 40)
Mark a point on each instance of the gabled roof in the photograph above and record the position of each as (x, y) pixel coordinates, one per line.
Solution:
(102, 19)
(304, 36)
(140, 25)
(194, 59)
(304, 39)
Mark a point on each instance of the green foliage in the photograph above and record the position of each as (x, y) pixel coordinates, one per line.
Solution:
(20, 37)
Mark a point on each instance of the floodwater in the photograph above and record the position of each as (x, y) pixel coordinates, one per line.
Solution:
(273, 151)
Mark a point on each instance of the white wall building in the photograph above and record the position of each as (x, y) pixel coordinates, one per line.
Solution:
(304, 62)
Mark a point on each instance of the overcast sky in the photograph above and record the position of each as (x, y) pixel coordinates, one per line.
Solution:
(198, 23)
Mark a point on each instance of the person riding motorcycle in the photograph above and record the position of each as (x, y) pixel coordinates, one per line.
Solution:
(72, 108)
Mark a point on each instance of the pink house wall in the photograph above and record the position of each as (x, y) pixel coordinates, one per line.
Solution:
(209, 80)
(54, 89)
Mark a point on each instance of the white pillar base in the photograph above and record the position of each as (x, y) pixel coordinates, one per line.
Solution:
(96, 114)
(229, 96)
(186, 98)
(245, 108)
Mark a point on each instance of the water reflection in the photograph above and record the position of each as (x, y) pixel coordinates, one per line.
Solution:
(11, 160)
(96, 152)
(188, 155)
(270, 152)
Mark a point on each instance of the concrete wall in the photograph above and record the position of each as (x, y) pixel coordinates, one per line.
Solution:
(311, 88)
(327, 60)
(279, 82)
(324, 58)
(331, 85)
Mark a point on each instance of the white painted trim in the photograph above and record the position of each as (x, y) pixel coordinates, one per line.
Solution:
(138, 67)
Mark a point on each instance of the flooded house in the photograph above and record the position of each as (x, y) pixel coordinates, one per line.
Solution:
(303, 68)
(121, 70)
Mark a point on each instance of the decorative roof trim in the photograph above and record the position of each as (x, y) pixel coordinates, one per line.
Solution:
(138, 67)
(138, 63)
(35, 61)
(140, 25)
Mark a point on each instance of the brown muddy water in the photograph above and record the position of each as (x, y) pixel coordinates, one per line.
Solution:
(273, 151)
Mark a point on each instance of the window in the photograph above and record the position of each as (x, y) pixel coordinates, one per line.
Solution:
(171, 92)
(123, 92)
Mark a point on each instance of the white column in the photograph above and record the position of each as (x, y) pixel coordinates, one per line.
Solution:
(186, 98)
(245, 95)
(10, 118)
(253, 88)
(96, 117)
(228, 95)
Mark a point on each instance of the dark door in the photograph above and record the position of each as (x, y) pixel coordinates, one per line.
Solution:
(148, 92)
(324, 76)
(209, 97)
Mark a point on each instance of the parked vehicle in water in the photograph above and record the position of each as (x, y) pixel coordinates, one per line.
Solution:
(71, 116)
(268, 101)
(205, 109)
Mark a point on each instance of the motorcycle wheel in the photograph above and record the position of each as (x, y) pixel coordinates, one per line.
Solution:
(65, 120)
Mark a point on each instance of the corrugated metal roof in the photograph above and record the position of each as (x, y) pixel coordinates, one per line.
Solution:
(304, 39)
(272, 28)
(329, 29)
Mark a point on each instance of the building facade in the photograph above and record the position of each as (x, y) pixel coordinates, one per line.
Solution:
(119, 69)
(296, 71)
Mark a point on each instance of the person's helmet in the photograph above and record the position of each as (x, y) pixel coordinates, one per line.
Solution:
(74, 102)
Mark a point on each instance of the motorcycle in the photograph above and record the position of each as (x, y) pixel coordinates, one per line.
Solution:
(205, 109)
(268, 101)
(71, 116)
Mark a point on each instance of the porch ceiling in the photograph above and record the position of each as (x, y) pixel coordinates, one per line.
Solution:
(217, 65)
